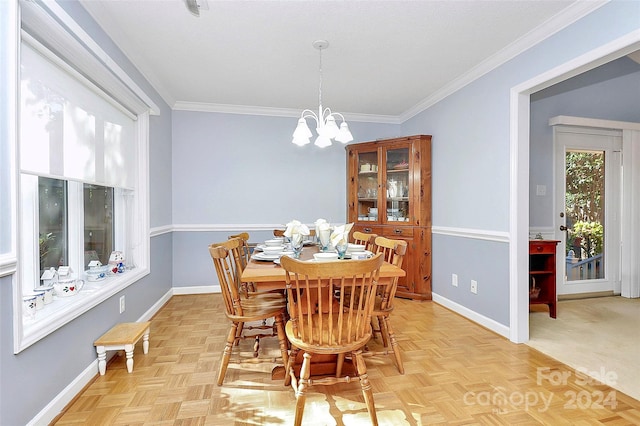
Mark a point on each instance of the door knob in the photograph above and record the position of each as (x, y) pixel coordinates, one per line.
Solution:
(563, 228)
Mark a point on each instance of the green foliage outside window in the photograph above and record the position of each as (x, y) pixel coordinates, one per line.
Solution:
(590, 236)
(585, 202)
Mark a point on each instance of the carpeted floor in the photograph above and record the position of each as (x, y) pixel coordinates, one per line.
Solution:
(599, 335)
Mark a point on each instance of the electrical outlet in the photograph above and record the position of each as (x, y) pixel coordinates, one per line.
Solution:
(474, 286)
(121, 304)
(454, 280)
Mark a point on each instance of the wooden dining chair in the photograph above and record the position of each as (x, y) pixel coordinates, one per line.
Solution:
(245, 249)
(324, 320)
(367, 240)
(393, 252)
(245, 257)
(280, 233)
(242, 308)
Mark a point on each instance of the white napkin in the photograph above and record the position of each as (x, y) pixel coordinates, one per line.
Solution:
(341, 233)
(323, 231)
(296, 231)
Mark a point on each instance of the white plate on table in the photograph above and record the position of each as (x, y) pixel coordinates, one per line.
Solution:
(347, 255)
(284, 253)
(266, 257)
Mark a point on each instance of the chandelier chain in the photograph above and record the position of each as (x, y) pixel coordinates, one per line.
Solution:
(320, 88)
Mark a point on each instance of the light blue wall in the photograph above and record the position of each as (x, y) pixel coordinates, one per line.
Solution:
(33, 378)
(471, 149)
(240, 170)
(6, 117)
(609, 92)
(243, 169)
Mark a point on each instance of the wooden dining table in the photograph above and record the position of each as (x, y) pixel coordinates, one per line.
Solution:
(268, 276)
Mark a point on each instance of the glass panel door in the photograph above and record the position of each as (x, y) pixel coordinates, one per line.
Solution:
(588, 167)
(585, 200)
(397, 185)
(368, 186)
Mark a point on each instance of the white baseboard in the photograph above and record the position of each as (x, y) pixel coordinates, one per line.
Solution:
(53, 408)
(492, 325)
(203, 289)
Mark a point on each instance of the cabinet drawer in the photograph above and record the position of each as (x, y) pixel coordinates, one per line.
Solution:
(373, 229)
(540, 247)
(398, 231)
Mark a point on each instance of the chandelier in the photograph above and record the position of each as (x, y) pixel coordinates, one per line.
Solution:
(326, 126)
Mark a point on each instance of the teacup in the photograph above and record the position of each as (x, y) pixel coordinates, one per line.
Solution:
(39, 295)
(48, 293)
(359, 255)
(97, 273)
(355, 247)
(70, 287)
(273, 249)
(325, 257)
(274, 242)
(29, 306)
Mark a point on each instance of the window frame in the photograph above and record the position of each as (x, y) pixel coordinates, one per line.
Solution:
(48, 21)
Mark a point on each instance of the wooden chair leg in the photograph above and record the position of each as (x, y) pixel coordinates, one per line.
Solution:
(339, 364)
(367, 392)
(289, 374)
(301, 395)
(284, 350)
(239, 331)
(394, 344)
(383, 330)
(226, 353)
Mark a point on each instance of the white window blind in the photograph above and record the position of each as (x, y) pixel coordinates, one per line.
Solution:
(67, 132)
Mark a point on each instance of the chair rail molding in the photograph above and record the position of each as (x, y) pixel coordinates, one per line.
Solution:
(8, 264)
(476, 234)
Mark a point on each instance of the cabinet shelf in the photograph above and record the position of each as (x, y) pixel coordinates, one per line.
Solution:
(542, 274)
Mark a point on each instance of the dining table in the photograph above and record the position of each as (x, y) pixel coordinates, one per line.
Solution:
(270, 276)
(267, 275)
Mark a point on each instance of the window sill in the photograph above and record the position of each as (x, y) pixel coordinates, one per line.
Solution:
(62, 310)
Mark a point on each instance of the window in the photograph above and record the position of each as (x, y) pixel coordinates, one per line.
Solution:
(52, 226)
(83, 168)
(98, 223)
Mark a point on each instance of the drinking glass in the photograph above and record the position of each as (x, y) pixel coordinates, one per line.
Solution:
(341, 248)
(324, 235)
(296, 246)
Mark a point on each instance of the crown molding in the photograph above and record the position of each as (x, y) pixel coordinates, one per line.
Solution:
(274, 112)
(568, 16)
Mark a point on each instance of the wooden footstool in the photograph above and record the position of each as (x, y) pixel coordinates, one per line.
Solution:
(123, 336)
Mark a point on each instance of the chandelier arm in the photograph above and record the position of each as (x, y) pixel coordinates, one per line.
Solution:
(307, 113)
(339, 115)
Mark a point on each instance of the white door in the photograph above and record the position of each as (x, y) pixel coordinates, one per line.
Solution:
(588, 205)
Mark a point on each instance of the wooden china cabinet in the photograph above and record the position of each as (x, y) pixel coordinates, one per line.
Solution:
(389, 194)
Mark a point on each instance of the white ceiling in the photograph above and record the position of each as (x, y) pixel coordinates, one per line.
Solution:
(386, 59)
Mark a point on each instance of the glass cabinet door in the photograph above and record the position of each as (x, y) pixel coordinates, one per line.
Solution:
(397, 185)
(367, 186)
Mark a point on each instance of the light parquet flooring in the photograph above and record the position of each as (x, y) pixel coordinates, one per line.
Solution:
(457, 373)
